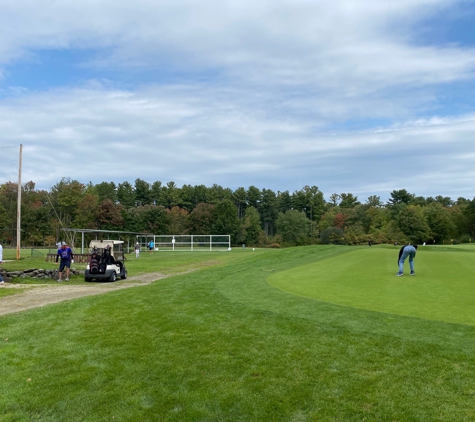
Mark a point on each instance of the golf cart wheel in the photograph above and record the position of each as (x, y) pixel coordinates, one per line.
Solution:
(123, 277)
(87, 279)
(113, 277)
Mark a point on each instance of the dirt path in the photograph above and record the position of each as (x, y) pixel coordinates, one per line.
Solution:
(38, 295)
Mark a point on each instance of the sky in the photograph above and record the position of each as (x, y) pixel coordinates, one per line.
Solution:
(361, 97)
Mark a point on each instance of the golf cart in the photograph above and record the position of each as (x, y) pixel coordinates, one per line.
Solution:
(106, 261)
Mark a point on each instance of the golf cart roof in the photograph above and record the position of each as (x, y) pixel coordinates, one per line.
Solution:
(104, 243)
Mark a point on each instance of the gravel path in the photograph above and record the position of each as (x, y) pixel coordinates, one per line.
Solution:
(38, 295)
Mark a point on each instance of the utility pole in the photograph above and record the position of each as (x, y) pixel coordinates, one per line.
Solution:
(18, 212)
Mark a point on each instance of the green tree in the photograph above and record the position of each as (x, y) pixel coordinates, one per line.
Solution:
(126, 195)
(142, 192)
(8, 210)
(108, 216)
(310, 200)
(469, 213)
(217, 193)
(171, 194)
(154, 219)
(348, 200)
(374, 201)
(200, 220)
(187, 198)
(284, 201)
(177, 221)
(86, 212)
(401, 196)
(334, 200)
(65, 197)
(445, 201)
(439, 221)
(412, 222)
(239, 198)
(106, 190)
(293, 226)
(333, 235)
(268, 210)
(253, 197)
(251, 230)
(225, 219)
(36, 224)
(328, 219)
(156, 193)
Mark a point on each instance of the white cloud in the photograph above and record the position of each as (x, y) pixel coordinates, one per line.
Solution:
(273, 91)
(159, 134)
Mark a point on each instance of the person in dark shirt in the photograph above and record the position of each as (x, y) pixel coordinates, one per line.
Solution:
(66, 255)
(405, 252)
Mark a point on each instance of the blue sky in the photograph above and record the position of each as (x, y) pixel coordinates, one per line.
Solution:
(362, 97)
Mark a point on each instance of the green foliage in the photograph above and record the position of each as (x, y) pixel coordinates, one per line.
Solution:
(355, 234)
(225, 220)
(412, 222)
(72, 204)
(348, 200)
(108, 216)
(126, 195)
(106, 190)
(153, 219)
(142, 192)
(401, 196)
(440, 224)
(293, 226)
(177, 221)
(66, 196)
(333, 235)
(200, 220)
(469, 214)
(251, 231)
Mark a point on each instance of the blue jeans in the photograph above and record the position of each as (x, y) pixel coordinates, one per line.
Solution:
(409, 251)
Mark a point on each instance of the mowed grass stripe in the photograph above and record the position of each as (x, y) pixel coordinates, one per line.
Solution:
(443, 288)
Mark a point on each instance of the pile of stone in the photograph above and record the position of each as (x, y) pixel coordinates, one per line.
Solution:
(35, 273)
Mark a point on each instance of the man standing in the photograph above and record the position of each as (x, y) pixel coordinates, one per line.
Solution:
(66, 255)
(151, 245)
(406, 251)
(137, 250)
(1, 259)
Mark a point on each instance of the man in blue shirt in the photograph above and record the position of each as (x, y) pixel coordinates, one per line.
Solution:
(66, 255)
(406, 251)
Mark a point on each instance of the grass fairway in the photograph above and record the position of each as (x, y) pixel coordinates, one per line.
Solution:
(222, 344)
(443, 288)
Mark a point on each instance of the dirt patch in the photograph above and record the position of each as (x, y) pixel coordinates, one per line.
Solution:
(38, 295)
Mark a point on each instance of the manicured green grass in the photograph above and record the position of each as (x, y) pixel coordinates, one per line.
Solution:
(221, 344)
(443, 288)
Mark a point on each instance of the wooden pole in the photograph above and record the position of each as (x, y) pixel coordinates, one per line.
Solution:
(18, 212)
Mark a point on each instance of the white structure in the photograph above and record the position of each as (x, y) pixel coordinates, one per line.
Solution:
(204, 242)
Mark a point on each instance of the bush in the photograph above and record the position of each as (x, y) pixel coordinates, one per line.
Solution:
(333, 235)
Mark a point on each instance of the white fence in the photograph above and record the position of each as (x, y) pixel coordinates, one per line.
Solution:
(187, 242)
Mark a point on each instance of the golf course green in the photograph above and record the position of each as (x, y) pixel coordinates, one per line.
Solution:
(443, 288)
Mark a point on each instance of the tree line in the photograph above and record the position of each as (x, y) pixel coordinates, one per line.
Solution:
(253, 216)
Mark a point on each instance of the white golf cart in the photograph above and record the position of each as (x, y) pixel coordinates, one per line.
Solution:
(106, 261)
